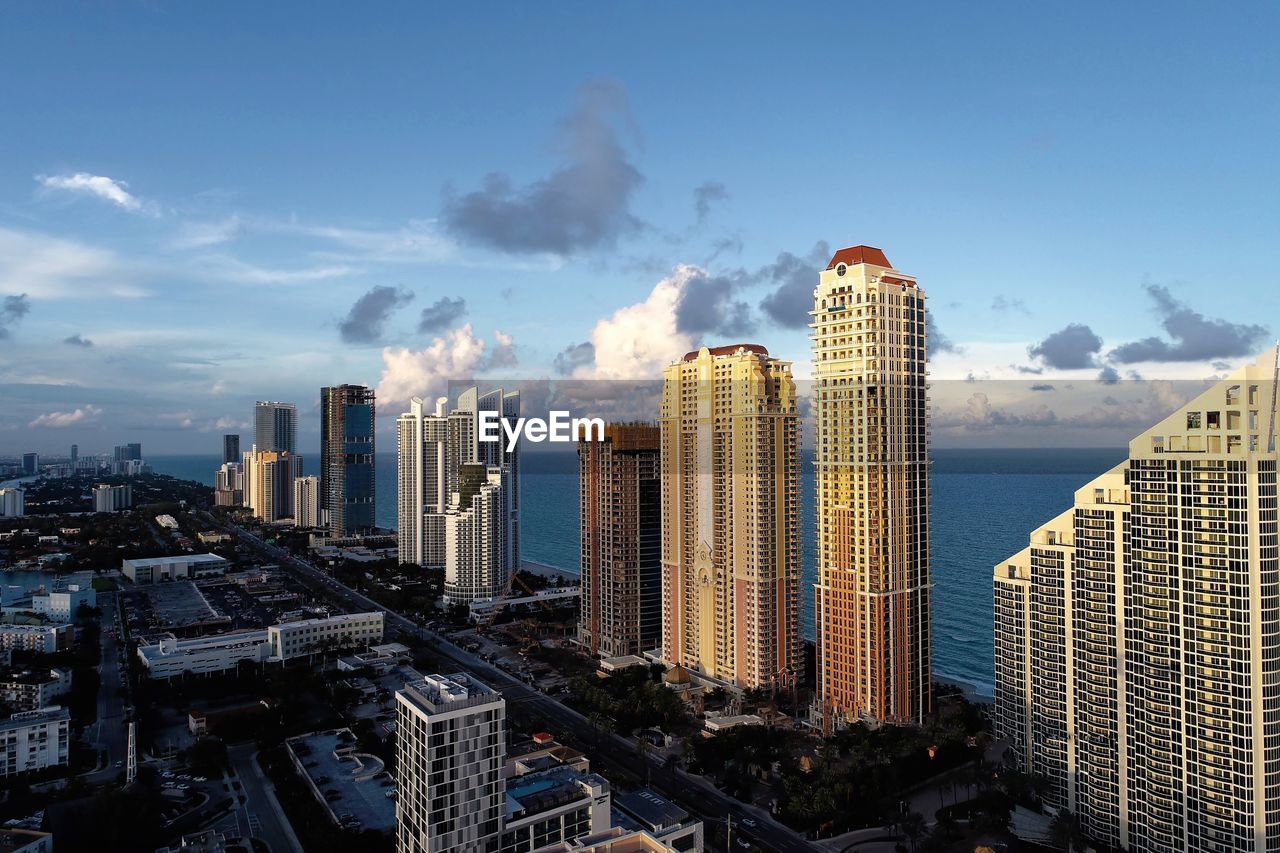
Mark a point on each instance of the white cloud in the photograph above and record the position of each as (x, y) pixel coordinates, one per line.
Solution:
(58, 420)
(637, 341)
(100, 186)
(425, 373)
(53, 268)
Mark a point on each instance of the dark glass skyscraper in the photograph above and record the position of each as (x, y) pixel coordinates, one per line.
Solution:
(346, 458)
(230, 448)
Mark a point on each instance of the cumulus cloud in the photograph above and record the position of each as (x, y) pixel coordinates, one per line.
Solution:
(583, 205)
(12, 310)
(1072, 347)
(937, 339)
(707, 304)
(77, 340)
(442, 314)
(59, 420)
(574, 358)
(636, 341)
(704, 196)
(457, 354)
(1041, 386)
(99, 186)
(503, 353)
(796, 277)
(1192, 336)
(981, 415)
(364, 322)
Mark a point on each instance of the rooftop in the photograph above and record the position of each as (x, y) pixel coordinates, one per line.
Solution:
(358, 782)
(759, 349)
(854, 255)
(541, 791)
(651, 809)
(53, 713)
(435, 693)
(177, 558)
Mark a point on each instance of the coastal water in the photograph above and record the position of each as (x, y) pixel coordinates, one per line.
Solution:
(985, 503)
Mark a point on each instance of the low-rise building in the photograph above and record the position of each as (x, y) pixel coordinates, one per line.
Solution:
(30, 688)
(648, 811)
(35, 740)
(25, 841)
(549, 806)
(45, 639)
(168, 522)
(171, 657)
(353, 787)
(617, 840)
(62, 605)
(145, 570)
(294, 639)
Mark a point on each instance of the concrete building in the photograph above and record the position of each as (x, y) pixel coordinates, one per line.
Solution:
(347, 419)
(620, 502)
(173, 658)
(268, 483)
(13, 502)
(228, 484)
(144, 570)
(295, 639)
(647, 811)
(871, 402)
(550, 806)
(35, 740)
(230, 449)
(30, 464)
(108, 498)
(61, 606)
(450, 747)
(275, 427)
(30, 688)
(45, 639)
(730, 517)
(474, 565)
(306, 501)
(347, 783)
(14, 840)
(1136, 650)
(431, 449)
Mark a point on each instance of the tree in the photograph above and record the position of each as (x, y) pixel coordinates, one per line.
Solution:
(1065, 832)
(912, 826)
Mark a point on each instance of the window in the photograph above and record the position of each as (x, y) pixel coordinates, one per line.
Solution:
(1193, 420)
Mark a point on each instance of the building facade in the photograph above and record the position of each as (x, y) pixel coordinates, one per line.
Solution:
(35, 740)
(475, 567)
(347, 414)
(1138, 636)
(450, 748)
(228, 484)
(268, 483)
(170, 657)
(13, 502)
(230, 448)
(30, 464)
(145, 570)
(308, 636)
(432, 448)
(306, 501)
(730, 452)
(31, 688)
(45, 639)
(108, 498)
(620, 502)
(275, 427)
(872, 465)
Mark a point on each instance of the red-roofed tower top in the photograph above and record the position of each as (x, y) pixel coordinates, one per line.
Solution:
(860, 255)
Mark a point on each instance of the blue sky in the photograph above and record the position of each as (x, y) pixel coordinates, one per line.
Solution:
(233, 202)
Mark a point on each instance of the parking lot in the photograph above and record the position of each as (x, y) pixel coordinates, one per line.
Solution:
(353, 786)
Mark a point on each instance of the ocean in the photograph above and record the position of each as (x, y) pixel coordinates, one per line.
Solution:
(985, 504)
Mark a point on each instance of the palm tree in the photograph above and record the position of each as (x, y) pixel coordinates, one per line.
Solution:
(1065, 832)
(911, 826)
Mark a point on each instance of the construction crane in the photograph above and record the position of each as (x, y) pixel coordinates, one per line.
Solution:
(501, 601)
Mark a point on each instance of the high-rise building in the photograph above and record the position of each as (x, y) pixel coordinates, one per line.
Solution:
(450, 748)
(230, 448)
(12, 502)
(228, 484)
(730, 455)
(475, 568)
(871, 406)
(30, 464)
(432, 447)
(1138, 635)
(621, 540)
(306, 501)
(75, 455)
(108, 498)
(275, 427)
(268, 483)
(131, 452)
(346, 458)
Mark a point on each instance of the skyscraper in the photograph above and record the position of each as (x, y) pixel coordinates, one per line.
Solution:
(268, 483)
(75, 455)
(450, 748)
(1138, 635)
(730, 516)
(871, 402)
(621, 531)
(475, 567)
(230, 448)
(432, 448)
(346, 458)
(30, 464)
(306, 501)
(275, 427)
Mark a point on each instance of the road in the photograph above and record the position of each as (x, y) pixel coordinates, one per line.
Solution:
(110, 734)
(260, 815)
(694, 793)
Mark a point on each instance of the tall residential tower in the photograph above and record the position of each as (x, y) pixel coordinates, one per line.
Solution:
(275, 427)
(730, 517)
(1138, 636)
(347, 416)
(621, 511)
(871, 403)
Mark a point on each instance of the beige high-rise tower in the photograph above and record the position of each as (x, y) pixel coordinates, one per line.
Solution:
(730, 516)
(1138, 636)
(871, 402)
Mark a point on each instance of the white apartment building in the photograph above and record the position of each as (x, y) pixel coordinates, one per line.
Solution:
(306, 501)
(173, 658)
(294, 639)
(45, 639)
(144, 570)
(474, 565)
(432, 447)
(1137, 638)
(451, 744)
(552, 806)
(12, 502)
(35, 740)
(26, 689)
(107, 498)
(63, 605)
